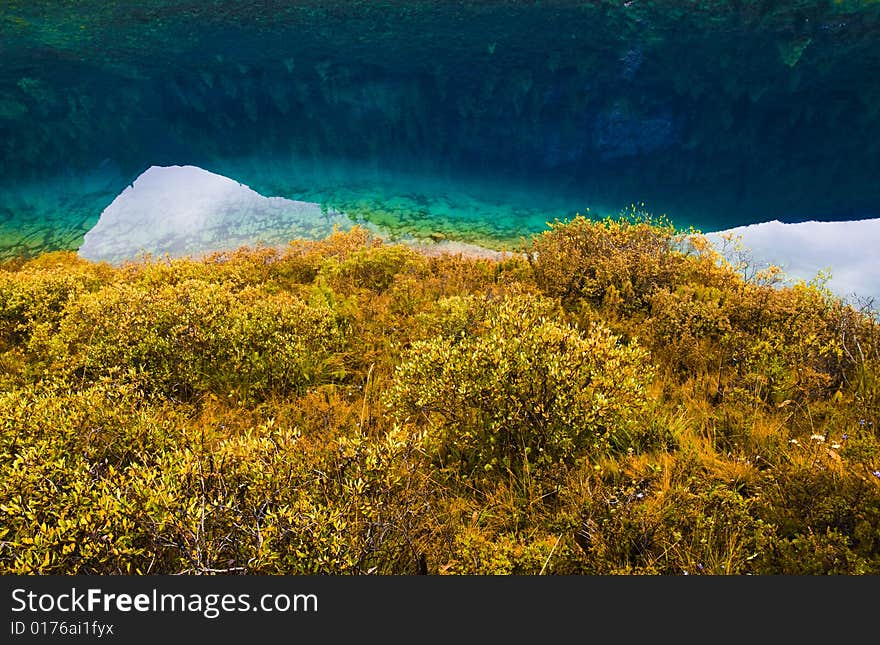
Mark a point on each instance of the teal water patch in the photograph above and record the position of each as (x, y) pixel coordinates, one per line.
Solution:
(160, 213)
(473, 207)
(185, 210)
(54, 213)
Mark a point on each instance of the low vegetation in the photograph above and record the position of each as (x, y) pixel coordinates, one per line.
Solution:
(613, 399)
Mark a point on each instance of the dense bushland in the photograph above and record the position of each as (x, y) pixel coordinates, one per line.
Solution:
(613, 399)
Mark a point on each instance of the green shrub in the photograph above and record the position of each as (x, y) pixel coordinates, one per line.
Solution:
(687, 326)
(822, 503)
(812, 554)
(506, 385)
(39, 291)
(504, 554)
(66, 494)
(651, 527)
(195, 337)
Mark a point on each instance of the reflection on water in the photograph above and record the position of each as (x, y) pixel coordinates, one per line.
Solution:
(470, 119)
(184, 210)
(845, 251)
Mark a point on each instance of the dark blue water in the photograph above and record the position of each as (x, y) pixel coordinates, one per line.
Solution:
(476, 119)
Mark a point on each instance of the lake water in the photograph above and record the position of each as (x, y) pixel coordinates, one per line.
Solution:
(474, 121)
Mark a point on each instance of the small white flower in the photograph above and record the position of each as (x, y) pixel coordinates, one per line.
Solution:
(817, 437)
(794, 441)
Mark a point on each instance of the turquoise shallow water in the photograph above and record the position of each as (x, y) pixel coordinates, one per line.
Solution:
(186, 210)
(474, 207)
(471, 120)
(398, 205)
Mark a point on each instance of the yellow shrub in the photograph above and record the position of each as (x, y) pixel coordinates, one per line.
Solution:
(584, 258)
